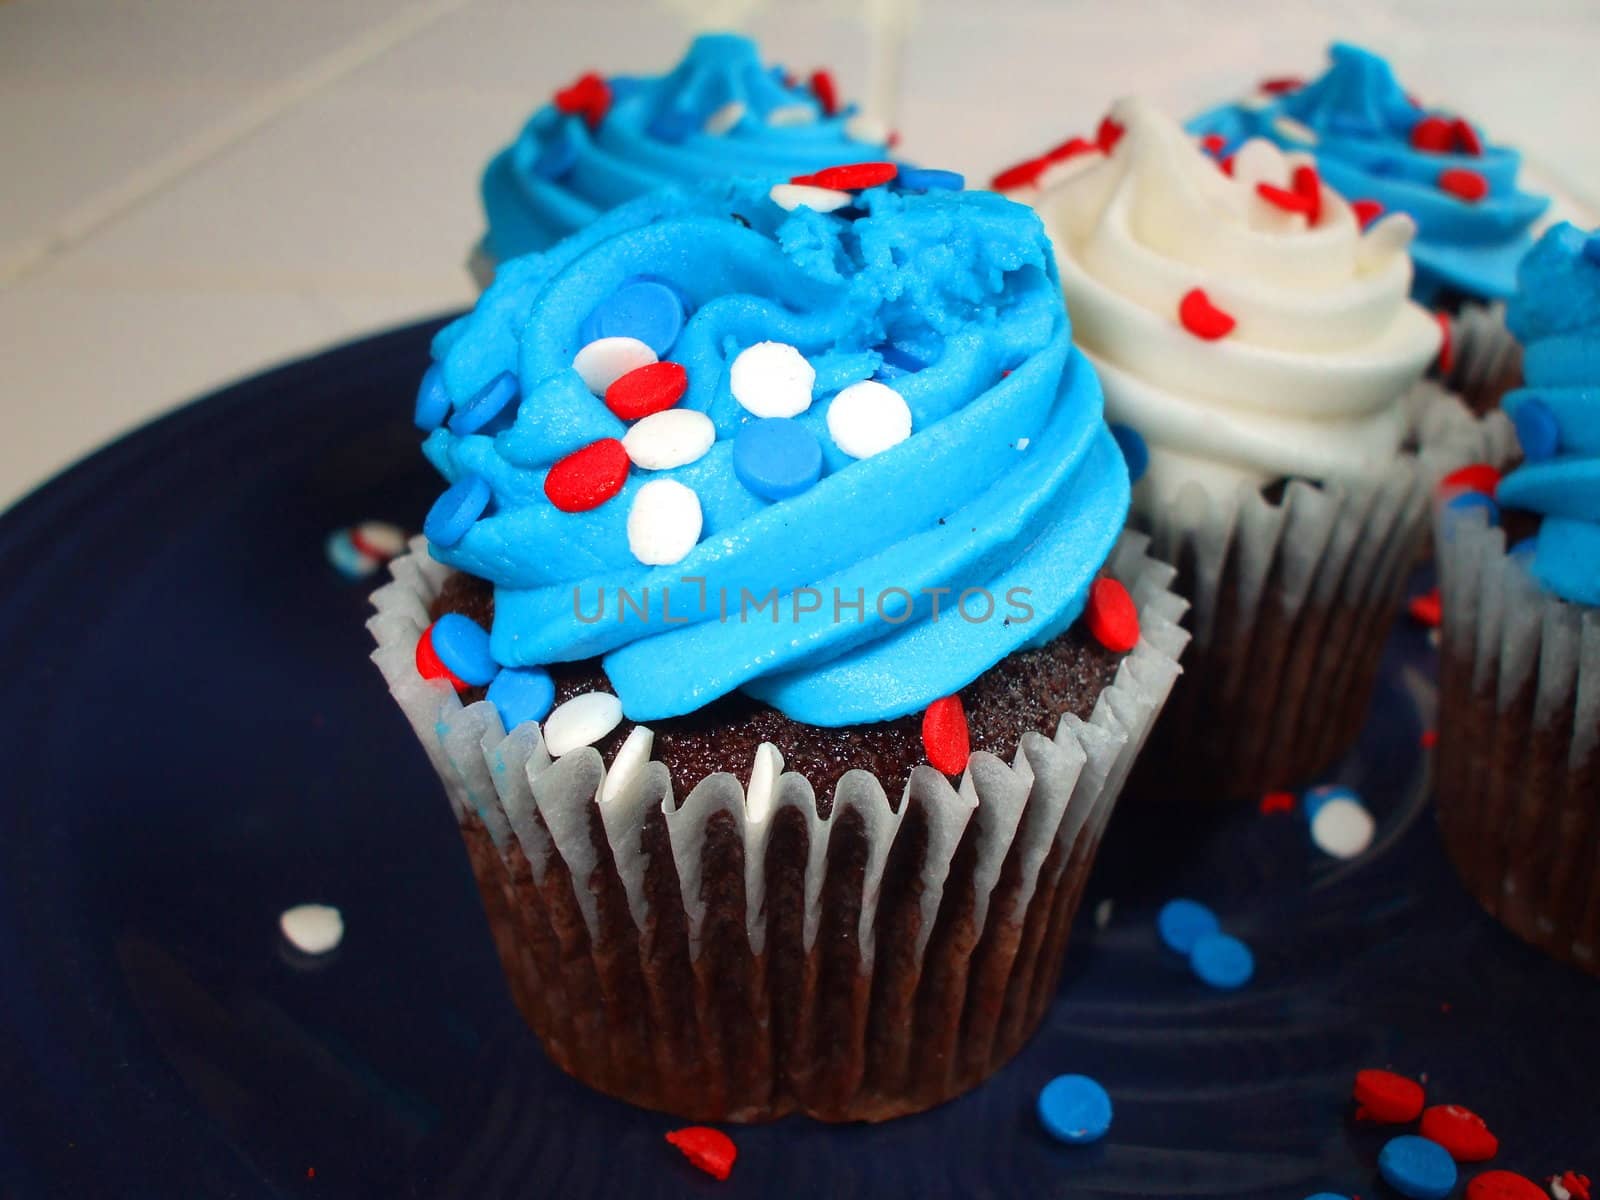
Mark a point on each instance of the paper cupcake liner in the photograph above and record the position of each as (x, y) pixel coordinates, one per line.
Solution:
(1291, 604)
(1487, 359)
(1519, 743)
(727, 962)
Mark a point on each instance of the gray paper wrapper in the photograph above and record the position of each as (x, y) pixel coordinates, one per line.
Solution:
(1487, 359)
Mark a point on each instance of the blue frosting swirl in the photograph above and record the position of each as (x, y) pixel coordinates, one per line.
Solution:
(1009, 479)
(1362, 121)
(560, 173)
(1556, 315)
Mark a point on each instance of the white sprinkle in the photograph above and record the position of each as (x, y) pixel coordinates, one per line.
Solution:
(605, 360)
(312, 928)
(631, 758)
(792, 114)
(1296, 131)
(669, 439)
(1558, 1189)
(790, 196)
(581, 721)
(1342, 828)
(664, 522)
(867, 418)
(1386, 237)
(388, 540)
(1255, 102)
(763, 787)
(1022, 443)
(772, 379)
(725, 118)
(865, 128)
(1102, 914)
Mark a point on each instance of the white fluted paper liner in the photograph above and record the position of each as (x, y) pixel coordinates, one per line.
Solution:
(1055, 795)
(1519, 751)
(1487, 359)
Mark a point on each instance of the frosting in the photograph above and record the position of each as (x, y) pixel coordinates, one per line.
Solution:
(719, 113)
(1371, 143)
(1556, 315)
(1241, 341)
(1009, 485)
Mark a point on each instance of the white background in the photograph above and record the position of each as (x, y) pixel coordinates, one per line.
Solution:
(191, 191)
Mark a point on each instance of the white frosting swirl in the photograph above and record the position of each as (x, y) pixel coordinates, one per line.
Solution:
(1310, 380)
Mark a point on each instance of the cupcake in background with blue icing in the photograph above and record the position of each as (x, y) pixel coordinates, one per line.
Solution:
(720, 113)
(1519, 736)
(777, 639)
(1385, 151)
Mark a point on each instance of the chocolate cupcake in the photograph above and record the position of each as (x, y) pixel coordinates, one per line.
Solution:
(1519, 729)
(783, 662)
(1264, 366)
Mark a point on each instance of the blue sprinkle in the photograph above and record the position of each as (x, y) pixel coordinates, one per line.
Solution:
(1537, 429)
(486, 405)
(1318, 796)
(1591, 248)
(777, 457)
(1222, 961)
(1075, 1109)
(1181, 923)
(1467, 501)
(1134, 450)
(522, 694)
(1418, 1168)
(929, 179)
(463, 646)
(640, 308)
(454, 512)
(346, 559)
(558, 155)
(672, 125)
(1524, 550)
(433, 402)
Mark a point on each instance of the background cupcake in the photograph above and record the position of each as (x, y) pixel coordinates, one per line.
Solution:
(1519, 736)
(810, 651)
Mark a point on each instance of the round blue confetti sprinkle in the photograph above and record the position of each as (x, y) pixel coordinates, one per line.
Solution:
(433, 402)
(486, 405)
(1418, 1168)
(344, 556)
(929, 179)
(1134, 451)
(463, 646)
(1591, 248)
(640, 308)
(558, 155)
(1537, 429)
(1181, 923)
(777, 457)
(1467, 501)
(1318, 796)
(522, 694)
(1075, 1109)
(454, 512)
(1222, 961)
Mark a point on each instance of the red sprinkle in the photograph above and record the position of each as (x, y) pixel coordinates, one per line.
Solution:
(1108, 135)
(587, 478)
(1463, 184)
(652, 388)
(1447, 344)
(1307, 185)
(1386, 1098)
(1022, 175)
(1277, 802)
(1504, 1185)
(1433, 134)
(850, 177)
(429, 664)
(1428, 740)
(1577, 1185)
(589, 95)
(1226, 166)
(1202, 318)
(1366, 211)
(709, 1149)
(1113, 619)
(827, 95)
(1283, 83)
(1479, 477)
(945, 738)
(1070, 148)
(1426, 609)
(1213, 143)
(1288, 201)
(1466, 138)
(365, 547)
(1460, 1131)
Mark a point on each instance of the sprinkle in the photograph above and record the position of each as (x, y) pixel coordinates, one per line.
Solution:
(1427, 609)
(1447, 343)
(590, 95)
(1225, 165)
(581, 721)
(644, 309)
(709, 1149)
(1281, 84)
(1340, 825)
(1417, 1168)
(1074, 1109)
(1429, 739)
(1214, 143)
(629, 760)
(587, 478)
(1434, 135)
(1277, 802)
(868, 418)
(1463, 184)
(1467, 501)
(1221, 961)
(433, 401)
(1295, 131)
(864, 128)
(1108, 134)
(1202, 318)
(462, 645)
(357, 552)
(652, 388)
(823, 89)
(1113, 619)
(1503, 1185)
(1478, 477)
(1466, 138)
(945, 739)
(791, 114)
(762, 789)
(674, 438)
(1308, 187)
(725, 118)
(1134, 451)
(605, 360)
(776, 457)
(1291, 202)
(1460, 1131)
(1575, 1186)
(1366, 211)
(664, 522)
(429, 666)
(1022, 175)
(929, 179)
(378, 539)
(1385, 1098)
(1537, 429)
(312, 928)
(454, 512)
(849, 177)
(772, 379)
(486, 405)
(790, 196)
(1181, 923)
(1071, 148)
(522, 694)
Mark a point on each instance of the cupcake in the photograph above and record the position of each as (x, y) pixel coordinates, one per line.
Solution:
(1519, 727)
(720, 113)
(1383, 150)
(1263, 365)
(783, 662)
